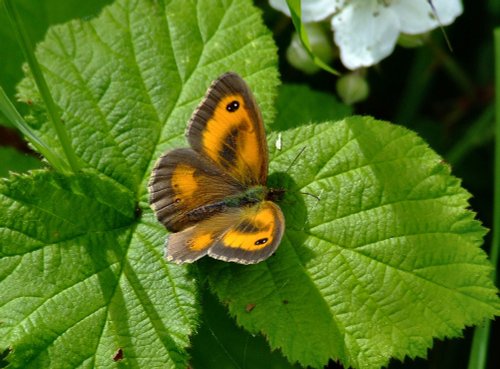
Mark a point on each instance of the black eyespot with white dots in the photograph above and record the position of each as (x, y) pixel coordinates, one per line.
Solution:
(261, 241)
(232, 106)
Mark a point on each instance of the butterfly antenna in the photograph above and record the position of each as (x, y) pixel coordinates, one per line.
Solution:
(440, 25)
(291, 165)
(294, 160)
(312, 195)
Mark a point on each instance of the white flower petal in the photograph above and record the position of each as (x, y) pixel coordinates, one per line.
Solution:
(312, 10)
(280, 5)
(448, 10)
(365, 32)
(416, 16)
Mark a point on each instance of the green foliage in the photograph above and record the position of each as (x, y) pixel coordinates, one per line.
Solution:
(220, 344)
(77, 263)
(78, 276)
(37, 16)
(125, 98)
(15, 161)
(479, 348)
(388, 259)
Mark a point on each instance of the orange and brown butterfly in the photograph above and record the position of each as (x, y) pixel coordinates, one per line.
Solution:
(212, 196)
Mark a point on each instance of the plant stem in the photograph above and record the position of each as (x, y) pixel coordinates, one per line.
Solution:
(495, 247)
(296, 15)
(52, 110)
(15, 118)
(479, 352)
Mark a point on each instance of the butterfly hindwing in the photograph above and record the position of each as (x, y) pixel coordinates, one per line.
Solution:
(254, 236)
(193, 242)
(227, 128)
(245, 235)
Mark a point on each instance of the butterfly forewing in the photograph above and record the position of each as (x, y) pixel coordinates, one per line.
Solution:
(183, 181)
(227, 128)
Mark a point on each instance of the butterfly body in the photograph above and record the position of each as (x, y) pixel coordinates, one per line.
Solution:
(213, 195)
(251, 196)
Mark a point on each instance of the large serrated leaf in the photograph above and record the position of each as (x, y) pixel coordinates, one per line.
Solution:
(83, 275)
(74, 288)
(128, 95)
(384, 262)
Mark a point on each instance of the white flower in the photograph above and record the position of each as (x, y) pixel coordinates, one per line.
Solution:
(366, 31)
(312, 10)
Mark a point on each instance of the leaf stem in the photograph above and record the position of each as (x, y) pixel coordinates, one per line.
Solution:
(296, 15)
(15, 118)
(479, 352)
(52, 110)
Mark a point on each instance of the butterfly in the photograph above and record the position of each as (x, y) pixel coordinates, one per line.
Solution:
(212, 196)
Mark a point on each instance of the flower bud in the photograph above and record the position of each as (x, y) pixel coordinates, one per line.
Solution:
(352, 88)
(321, 46)
(411, 41)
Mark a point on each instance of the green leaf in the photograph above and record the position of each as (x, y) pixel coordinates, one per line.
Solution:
(220, 344)
(78, 277)
(125, 98)
(387, 260)
(83, 276)
(13, 160)
(36, 17)
(478, 357)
